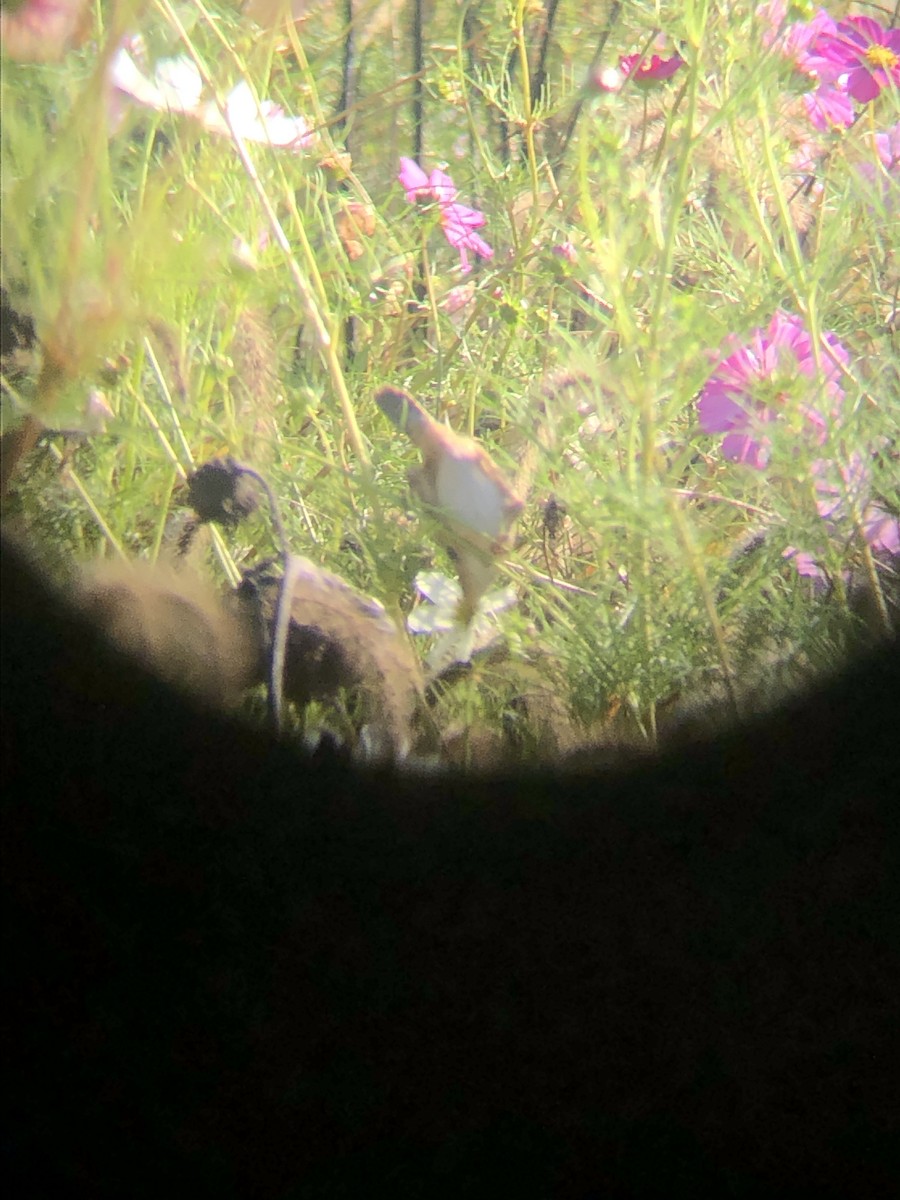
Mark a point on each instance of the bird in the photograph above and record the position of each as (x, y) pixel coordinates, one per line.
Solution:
(465, 489)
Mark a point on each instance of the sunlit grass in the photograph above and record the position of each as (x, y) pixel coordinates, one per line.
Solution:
(225, 296)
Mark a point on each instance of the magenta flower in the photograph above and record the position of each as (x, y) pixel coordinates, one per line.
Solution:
(438, 186)
(459, 224)
(649, 70)
(457, 220)
(864, 51)
(770, 379)
(643, 70)
(855, 58)
(881, 530)
(772, 376)
(837, 487)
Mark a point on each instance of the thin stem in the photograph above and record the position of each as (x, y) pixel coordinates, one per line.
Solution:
(418, 93)
(695, 561)
(874, 583)
(89, 504)
(540, 71)
(691, 494)
(348, 72)
(222, 552)
(168, 449)
(274, 510)
(527, 106)
(789, 229)
(167, 396)
(614, 13)
(162, 518)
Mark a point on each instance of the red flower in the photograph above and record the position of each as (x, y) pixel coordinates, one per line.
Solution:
(649, 70)
(644, 71)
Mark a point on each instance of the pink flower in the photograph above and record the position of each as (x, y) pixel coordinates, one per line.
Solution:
(457, 220)
(842, 491)
(864, 51)
(769, 379)
(836, 486)
(829, 108)
(881, 530)
(795, 40)
(643, 70)
(567, 251)
(438, 186)
(855, 58)
(765, 379)
(887, 148)
(459, 224)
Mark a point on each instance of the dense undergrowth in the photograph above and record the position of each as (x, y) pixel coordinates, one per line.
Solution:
(660, 292)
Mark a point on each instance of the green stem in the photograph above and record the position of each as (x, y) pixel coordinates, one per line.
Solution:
(527, 107)
(787, 224)
(88, 502)
(697, 566)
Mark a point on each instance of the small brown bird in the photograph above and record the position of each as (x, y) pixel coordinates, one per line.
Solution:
(465, 489)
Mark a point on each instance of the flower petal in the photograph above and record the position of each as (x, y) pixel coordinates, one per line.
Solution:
(829, 108)
(439, 589)
(742, 448)
(862, 85)
(882, 531)
(125, 76)
(442, 186)
(414, 180)
(265, 123)
(179, 83)
(499, 601)
(429, 619)
(719, 410)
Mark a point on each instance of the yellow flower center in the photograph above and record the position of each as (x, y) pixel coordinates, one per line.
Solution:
(881, 56)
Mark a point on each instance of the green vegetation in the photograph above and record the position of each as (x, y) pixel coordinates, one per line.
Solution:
(198, 293)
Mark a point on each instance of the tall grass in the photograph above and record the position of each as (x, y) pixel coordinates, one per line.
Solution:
(229, 297)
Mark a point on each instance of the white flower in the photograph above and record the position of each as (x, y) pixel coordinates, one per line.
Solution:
(179, 83)
(457, 641)
(266, 123)
(176, 87)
